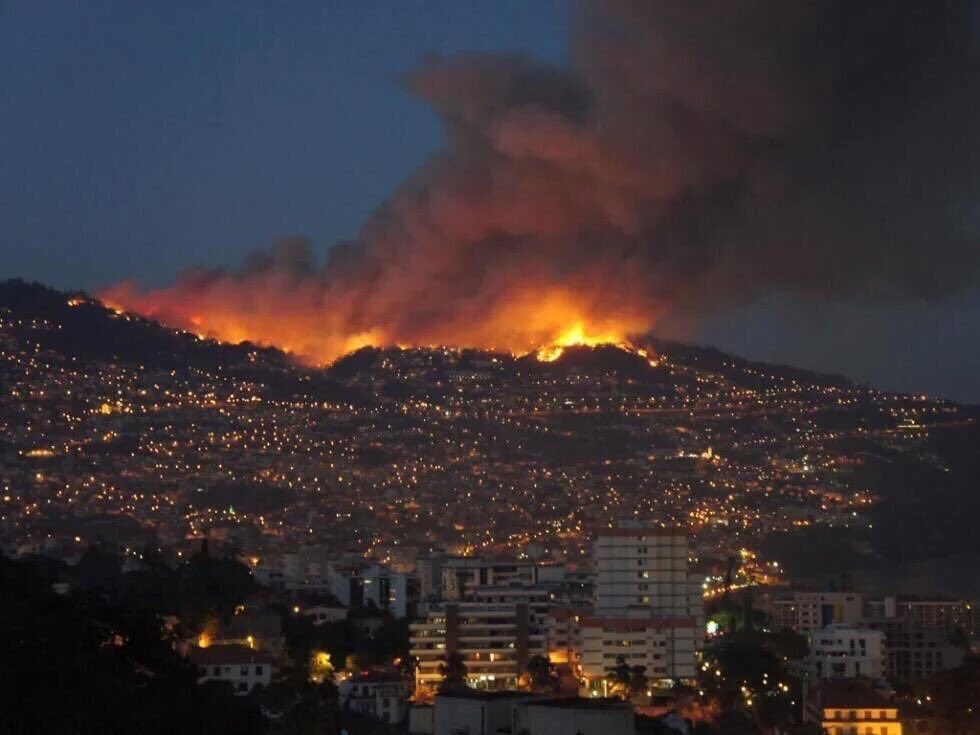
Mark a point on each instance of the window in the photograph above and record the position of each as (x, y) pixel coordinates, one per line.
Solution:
(217, 671)
(243, 671)
(258, 669)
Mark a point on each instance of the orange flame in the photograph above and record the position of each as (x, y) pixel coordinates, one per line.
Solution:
(541, 321)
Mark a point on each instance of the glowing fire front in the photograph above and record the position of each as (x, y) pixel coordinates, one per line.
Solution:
(543, 322)
(577, 335)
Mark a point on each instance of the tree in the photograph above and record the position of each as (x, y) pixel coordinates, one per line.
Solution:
(621, 677)
(296, 705)
(542, 674)
(81, 664)
(956, 699)
(639, 682)
(453, 672)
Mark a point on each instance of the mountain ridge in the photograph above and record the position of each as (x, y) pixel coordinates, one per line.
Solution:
(96, 331)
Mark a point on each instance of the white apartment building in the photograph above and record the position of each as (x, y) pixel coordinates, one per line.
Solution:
(846, 652)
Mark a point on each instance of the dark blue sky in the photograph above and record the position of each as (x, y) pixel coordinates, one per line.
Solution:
(141, 138)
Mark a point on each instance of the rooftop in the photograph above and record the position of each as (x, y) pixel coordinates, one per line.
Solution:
(839, 694)
(582, 703)
(229, 655)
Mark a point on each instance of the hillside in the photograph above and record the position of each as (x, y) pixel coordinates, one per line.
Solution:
(113, 425)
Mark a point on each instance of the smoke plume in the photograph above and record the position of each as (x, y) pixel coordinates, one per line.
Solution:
(692, 156)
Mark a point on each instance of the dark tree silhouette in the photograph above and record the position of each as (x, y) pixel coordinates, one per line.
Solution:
(542, 674)
(453, 672)
(85, 664)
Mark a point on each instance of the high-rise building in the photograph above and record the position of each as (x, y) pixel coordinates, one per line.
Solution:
(649, 608)
(641, 570)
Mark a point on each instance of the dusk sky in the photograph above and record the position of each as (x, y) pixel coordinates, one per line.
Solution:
(141, 139)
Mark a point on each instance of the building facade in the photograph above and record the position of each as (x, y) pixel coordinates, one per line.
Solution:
(649, 606)
(849, 708)
(495, 641)
(242, 667)
(644, 570)
(382, 696)
(809, 611)
(927, 613)
(845, 652)
(666, 648)
(913, 652)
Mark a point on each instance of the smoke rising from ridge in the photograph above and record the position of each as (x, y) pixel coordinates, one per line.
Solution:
(693, 156)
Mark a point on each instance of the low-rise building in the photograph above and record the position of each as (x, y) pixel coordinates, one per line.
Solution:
(573, 715)
(913, 652)
(927, 612)
(243, 667)
(851, 708)
(491, 713)
(845, 652)
(809, 611)
(380, 695)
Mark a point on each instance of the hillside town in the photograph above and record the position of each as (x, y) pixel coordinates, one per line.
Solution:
(610, 539)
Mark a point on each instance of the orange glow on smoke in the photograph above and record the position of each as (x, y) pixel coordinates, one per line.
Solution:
(544, 321)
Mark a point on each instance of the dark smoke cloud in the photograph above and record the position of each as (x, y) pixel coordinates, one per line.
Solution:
(694, 156)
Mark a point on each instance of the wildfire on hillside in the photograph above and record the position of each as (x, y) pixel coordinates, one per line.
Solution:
(544, 323)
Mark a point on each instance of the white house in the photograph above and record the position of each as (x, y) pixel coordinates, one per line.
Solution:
(243, 667)
(384, 696)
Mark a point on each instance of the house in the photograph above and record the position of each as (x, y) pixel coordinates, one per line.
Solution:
(243, 667)
(852, 708)
(253, 627)
(378, 694)
(477, 712)
(573, 715)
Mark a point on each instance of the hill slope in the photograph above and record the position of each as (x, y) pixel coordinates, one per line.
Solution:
(113, 425)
